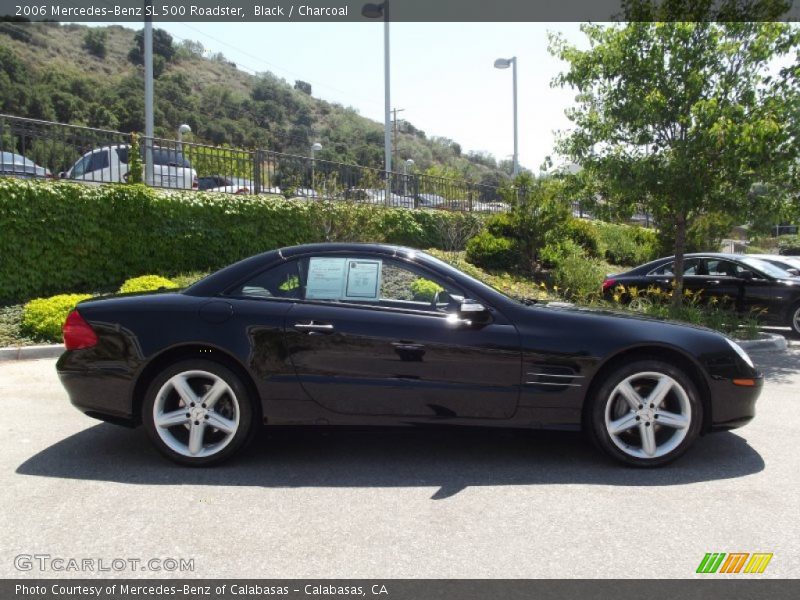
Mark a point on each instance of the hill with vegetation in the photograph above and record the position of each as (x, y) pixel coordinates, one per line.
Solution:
(93, 76)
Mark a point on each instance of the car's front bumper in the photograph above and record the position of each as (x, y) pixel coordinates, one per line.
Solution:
(734, 405)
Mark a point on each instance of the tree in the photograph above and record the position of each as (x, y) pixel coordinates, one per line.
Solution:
(303, 86)
(95, 41)
(684, 117)
(163, 50)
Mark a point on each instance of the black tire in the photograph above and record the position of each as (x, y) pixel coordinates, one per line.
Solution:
(688, 404)
(794, 318)
(236, 399)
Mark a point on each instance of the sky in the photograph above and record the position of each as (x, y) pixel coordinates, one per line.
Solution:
(442, 74)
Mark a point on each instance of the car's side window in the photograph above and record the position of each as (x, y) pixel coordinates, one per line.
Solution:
(352, 280)
(80, 167)
(722, 268)
(283, 281)
(691, 266)
(403, 286)
(99, 161)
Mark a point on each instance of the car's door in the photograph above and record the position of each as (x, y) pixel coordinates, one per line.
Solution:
(368, 338)
(722, 283)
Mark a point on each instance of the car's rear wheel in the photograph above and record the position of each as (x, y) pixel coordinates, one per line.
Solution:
(646, 413)
(198, 412)
(794, 318)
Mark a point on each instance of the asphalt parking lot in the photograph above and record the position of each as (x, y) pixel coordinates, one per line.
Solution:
(381, 504)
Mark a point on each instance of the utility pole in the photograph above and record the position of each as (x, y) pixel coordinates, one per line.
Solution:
(148, 94)
(394, 133)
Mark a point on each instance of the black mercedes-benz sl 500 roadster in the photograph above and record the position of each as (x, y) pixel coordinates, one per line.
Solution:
(371, 334)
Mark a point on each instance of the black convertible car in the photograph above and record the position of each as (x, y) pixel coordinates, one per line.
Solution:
(748, 283)
(346, 334)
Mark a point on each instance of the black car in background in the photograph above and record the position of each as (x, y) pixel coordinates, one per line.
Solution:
(369, 334)
(748, 283)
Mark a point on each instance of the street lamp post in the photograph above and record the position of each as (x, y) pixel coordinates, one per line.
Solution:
(375, 11)
(315, 147)
(504, 63)
(406, 166)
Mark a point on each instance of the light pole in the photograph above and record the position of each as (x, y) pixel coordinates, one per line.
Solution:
(375, 11)
(406, 166)
(315, 147)
(148, 94)
(504, 63)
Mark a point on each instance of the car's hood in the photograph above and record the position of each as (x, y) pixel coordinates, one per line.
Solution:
(616, 314)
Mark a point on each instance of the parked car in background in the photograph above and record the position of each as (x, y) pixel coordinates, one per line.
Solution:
(748, 283)
(109, 164)
(429, 201)
(16, 165)
(790, 264)
(378, 196)
(372, 334)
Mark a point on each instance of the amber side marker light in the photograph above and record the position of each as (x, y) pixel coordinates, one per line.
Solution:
(744, 382)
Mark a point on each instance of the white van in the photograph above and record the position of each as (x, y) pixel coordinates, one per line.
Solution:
(110, 165)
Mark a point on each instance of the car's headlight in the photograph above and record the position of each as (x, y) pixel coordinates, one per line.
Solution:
(740, 351)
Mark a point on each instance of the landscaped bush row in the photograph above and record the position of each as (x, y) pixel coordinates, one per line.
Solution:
(57, 236)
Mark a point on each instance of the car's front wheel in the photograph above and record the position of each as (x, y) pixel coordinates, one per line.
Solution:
(794, 318)
(197, 412)
(646, 413)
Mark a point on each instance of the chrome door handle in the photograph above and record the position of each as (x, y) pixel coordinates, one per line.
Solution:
(313, 327)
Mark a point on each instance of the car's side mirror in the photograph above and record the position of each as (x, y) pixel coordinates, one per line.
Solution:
(474, 312)
(747, 275)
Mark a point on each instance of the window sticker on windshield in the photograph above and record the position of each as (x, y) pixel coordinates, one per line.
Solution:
(363, 279)
(325, 278)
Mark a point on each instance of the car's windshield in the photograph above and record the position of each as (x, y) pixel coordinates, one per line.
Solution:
(766, 267)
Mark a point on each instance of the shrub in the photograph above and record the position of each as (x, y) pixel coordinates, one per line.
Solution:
(43, 317)
(59, 236)
(501, 225)
(584, 234)
(492, 252)
(789, 245)
(425, 290)
(146, 283)
(554, 253)
(627, 245)
(578, 277)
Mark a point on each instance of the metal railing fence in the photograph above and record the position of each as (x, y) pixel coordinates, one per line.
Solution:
(34, 148)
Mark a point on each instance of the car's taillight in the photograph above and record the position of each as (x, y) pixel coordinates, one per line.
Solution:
(78, 333)
(195, 183)
(609, 283)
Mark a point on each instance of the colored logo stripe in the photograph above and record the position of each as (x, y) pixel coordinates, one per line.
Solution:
(758, 563)
(713, 562)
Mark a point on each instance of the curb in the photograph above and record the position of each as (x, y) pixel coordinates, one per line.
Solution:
(773, 342)
(31, 352)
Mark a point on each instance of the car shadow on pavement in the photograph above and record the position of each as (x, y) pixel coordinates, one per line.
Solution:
(449, 459)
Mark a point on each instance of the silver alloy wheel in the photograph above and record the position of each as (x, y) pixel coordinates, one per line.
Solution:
(796, 320)
(648, 414)
(196, 413)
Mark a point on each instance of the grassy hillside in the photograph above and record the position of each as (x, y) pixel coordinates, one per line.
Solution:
(74, 74)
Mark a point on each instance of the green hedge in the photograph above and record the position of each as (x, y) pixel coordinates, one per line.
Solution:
(57, 236)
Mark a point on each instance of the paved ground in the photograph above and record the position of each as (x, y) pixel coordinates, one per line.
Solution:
(396, 504)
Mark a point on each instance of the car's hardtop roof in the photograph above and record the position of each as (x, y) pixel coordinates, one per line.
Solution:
(232, 274)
